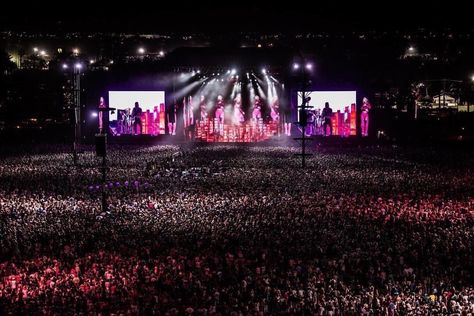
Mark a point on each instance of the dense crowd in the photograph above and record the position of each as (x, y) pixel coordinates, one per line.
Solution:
(235, 230)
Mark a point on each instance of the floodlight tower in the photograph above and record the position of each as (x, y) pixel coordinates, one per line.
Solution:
(304, 68)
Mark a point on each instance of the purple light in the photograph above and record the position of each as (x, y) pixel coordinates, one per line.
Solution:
(78, 66)
(296, 66)
(65, 66)
(309, 66)
(94, 114)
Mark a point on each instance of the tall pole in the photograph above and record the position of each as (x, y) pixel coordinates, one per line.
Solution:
(77, 111)
(103, 167)
(303, 120)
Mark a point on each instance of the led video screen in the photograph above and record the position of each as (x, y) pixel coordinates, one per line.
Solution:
(341, 122)
(150, 120)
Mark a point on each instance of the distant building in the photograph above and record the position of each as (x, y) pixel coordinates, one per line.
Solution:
(444, 101)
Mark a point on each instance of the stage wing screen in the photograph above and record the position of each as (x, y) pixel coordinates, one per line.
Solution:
(152, 104)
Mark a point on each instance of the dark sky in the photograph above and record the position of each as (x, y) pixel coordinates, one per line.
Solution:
(233, 15)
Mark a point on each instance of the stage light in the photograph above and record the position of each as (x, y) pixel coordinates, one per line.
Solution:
(91, 61)
(75, 51)
(162, 53)
(35, 49)
(472, 78)
(296, 66)
(199, 71)
(259, 45)
(309, 66)
(411, 48)
(264, 71)
(42, 53)
(228, 71)
(141, 50)
(78, 66)
(111, 62)
(233, 71)
(65, 66)
(94, 114)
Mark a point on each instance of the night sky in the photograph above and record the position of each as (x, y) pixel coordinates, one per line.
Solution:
(233, 16)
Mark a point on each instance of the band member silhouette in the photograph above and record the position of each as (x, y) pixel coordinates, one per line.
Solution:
(364, 116)
(327, 114)
(137, 118)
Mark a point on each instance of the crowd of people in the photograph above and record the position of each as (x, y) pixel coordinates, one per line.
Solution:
(234, 230)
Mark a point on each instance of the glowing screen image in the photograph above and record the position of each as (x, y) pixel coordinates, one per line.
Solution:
(338, 100)
(343, 119)
(125, 120)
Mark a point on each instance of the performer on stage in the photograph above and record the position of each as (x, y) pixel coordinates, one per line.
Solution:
(364, 116)
(327, 114)
(346, 129)
(172, 118)
(219, 116)
(188, 117)
(275, 111)
(137, 120)
(257, 109)
(203, 108)
(287, 120)
(102, 106)
(275, 115)
(239, 115)
(257, 115)
(238, 118)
